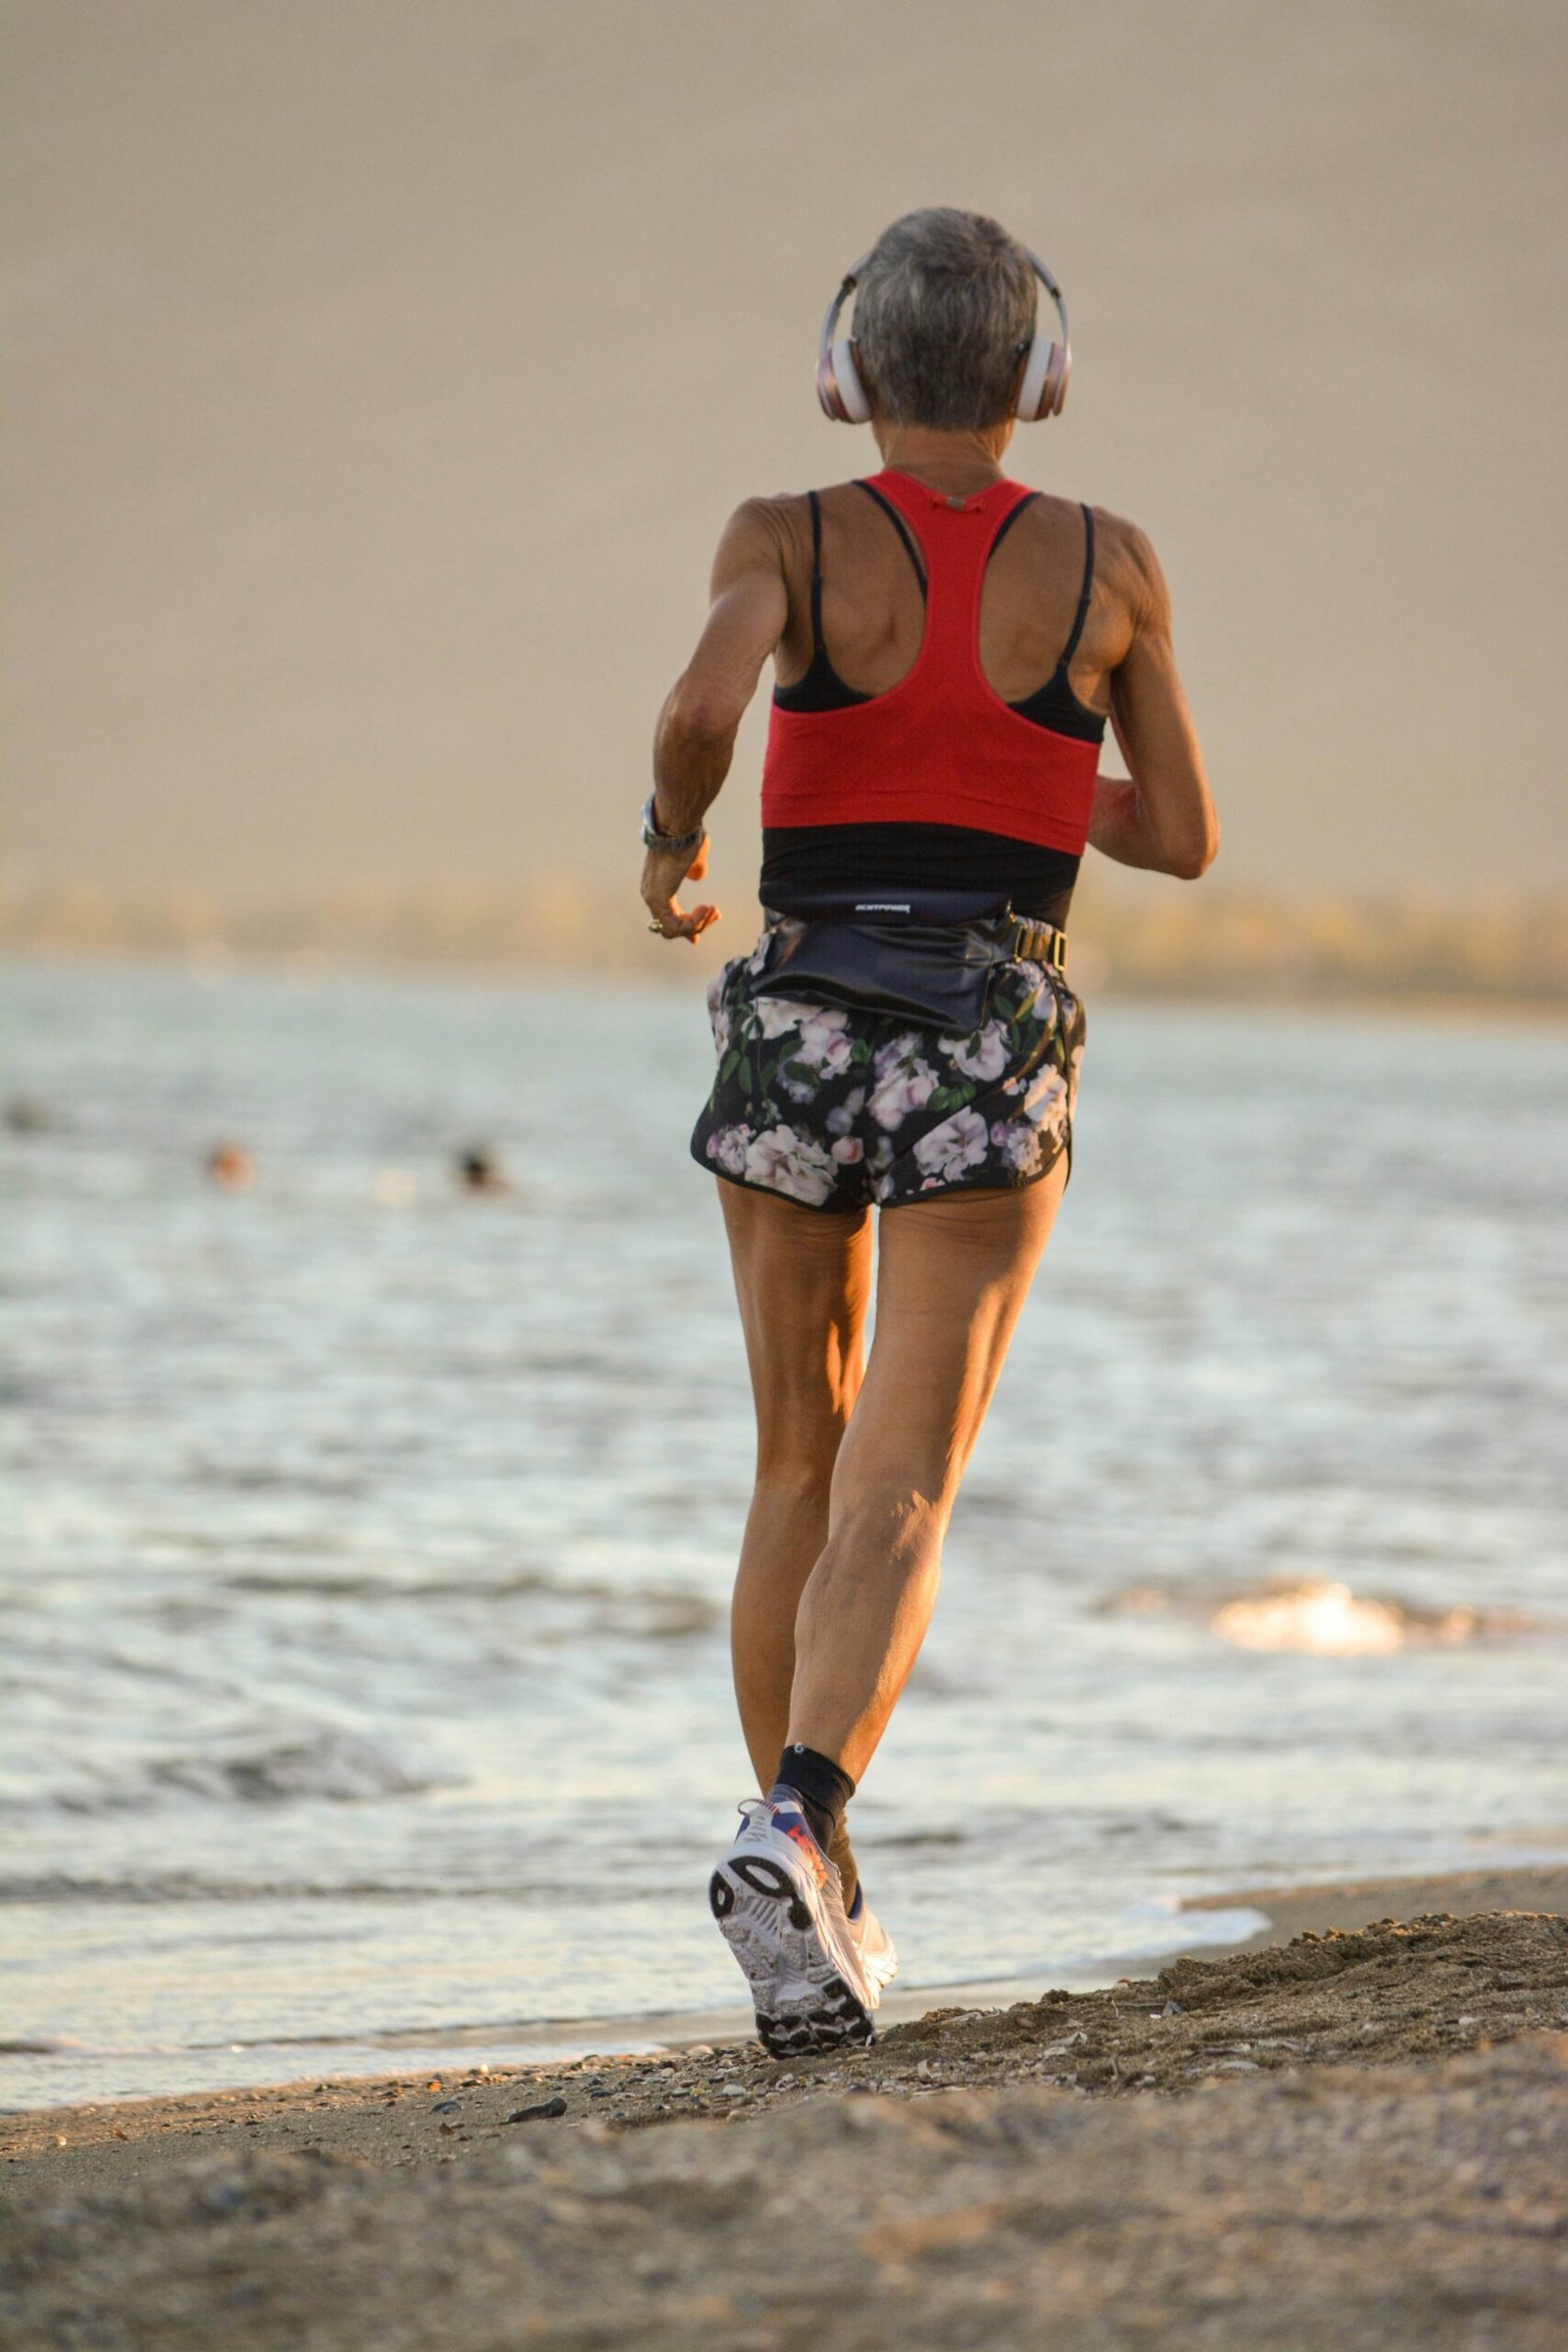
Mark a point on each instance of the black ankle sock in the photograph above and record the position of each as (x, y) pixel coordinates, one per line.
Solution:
(825, 1789)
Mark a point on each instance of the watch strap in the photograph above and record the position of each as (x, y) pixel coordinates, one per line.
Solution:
(672, 845)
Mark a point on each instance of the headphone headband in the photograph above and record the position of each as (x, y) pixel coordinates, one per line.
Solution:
(1053, 290)
(1043, 391)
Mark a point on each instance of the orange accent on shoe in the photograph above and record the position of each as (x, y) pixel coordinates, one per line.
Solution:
(808, 1846)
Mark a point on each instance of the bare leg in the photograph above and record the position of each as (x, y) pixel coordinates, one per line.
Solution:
(954, 1274)
(803, 1279)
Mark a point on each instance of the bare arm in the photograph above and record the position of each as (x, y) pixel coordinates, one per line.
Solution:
(1163, 817)
(695, 739)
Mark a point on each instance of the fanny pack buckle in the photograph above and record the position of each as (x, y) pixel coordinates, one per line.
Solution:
(1040, 943)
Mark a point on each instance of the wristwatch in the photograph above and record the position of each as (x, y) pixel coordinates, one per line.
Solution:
(668, 844)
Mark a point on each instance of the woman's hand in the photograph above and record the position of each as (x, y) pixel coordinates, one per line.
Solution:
(663, 876)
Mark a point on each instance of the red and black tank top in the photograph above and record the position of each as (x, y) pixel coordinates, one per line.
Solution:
(938, 780)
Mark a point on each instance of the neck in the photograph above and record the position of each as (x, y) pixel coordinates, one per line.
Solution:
(958, 462)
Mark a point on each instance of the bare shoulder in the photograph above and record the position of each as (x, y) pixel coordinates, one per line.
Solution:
(1128, 568)
(780, 522)
(763, 522)
(761, 535)
(785, 514)
(772, 533)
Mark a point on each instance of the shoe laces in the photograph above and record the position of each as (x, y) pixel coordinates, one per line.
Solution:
(760, 1812)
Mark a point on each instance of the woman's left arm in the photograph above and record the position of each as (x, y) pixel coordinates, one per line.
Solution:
(1162, 817)
(695, 740)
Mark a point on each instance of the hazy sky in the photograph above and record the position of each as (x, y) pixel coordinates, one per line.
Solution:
(382, 370)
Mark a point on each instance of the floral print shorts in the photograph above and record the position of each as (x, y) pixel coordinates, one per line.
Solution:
(838, 1108)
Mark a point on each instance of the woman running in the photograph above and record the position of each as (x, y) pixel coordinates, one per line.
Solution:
(948, 646)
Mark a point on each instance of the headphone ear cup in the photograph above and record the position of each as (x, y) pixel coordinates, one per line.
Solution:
(1044, 380)
(853, 406)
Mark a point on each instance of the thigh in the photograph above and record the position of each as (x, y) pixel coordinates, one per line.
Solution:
(953, 1275)
(803, 1279)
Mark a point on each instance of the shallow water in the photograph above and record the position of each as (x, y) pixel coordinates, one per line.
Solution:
(365, 1670)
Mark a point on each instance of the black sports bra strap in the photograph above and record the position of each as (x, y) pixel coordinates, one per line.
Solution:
(818, 649)
(1071, 646)
(1007, 522)
(901, 526)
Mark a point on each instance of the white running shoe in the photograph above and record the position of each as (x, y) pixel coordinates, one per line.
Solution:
(879, 1962)
(779, 1903)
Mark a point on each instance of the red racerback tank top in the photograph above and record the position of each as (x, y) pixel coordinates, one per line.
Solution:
(941, 747)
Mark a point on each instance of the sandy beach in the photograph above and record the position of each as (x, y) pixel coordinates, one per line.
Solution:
(1352, 2132)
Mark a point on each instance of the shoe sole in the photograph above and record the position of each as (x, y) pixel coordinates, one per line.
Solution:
(803, 2000)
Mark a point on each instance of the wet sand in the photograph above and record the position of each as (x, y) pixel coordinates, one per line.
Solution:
(1355, 2137)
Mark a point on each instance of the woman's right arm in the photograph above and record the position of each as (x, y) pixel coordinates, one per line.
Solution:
(1162, 816)
(695, 740)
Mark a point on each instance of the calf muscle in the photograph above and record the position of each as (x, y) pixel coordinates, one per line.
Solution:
(856, 1479)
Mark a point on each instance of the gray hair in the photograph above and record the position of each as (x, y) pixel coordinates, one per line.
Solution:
(943, 308)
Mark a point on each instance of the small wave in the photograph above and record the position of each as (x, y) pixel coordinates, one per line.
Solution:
(1330, 1620)
(338, 1766)
(264, 1477)
(646, 1612)
(1325, 1618)
(335, 1765)
(922, 1838)
(1156, 1923)
(536, 1889)
(189, 1886)
(366, 1585)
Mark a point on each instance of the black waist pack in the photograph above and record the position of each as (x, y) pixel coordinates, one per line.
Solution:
(924, 955)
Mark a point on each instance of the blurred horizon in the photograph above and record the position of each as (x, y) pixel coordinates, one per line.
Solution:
(1497, 947)
(381, 378)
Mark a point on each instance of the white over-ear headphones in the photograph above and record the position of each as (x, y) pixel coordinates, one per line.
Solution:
(1042, 392)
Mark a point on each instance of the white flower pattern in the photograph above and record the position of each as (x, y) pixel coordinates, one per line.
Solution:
(726, 1149)
(782, 1161)
(945, 1152)
(983, 1055)
(833, 1107)
(908, 1086)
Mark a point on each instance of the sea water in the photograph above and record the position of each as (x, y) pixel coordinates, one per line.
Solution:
(364, 1683)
